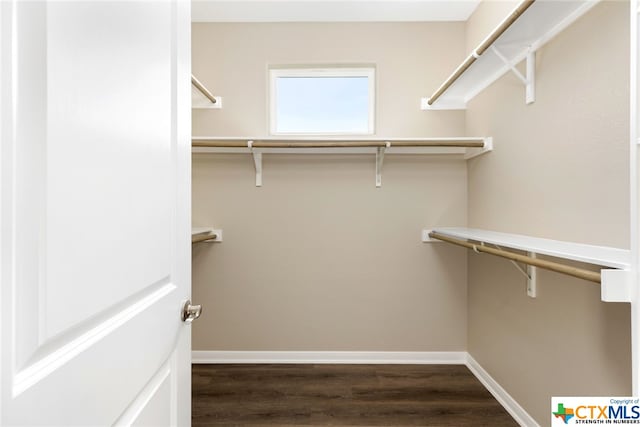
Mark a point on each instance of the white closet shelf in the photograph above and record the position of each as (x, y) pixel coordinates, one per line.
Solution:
(590, 254)
(531, 25)
(615, 278)
(467, 147)
(463, 147)
(205, 234)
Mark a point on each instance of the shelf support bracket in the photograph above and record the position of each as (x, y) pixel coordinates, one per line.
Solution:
(530, 273)
(257, 163)
(532, 279)
(379, 160)
(529, 80)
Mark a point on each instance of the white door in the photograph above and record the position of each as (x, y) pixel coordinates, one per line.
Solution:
(95, 193)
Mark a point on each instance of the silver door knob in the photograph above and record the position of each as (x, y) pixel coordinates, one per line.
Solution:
(190, 312)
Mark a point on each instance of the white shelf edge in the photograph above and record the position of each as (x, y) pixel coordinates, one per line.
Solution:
(461, 152)
(616, 276)
(319, 138)
(455, 151)
(460, 102)
(591, 254)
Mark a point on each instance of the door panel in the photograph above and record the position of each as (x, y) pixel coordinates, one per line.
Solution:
(99, 107)
(95, 163)
(152, 407)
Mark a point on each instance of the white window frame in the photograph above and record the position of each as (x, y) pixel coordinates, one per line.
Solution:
(364, 71)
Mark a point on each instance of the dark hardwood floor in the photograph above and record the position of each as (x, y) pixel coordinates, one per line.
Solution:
(350, 395)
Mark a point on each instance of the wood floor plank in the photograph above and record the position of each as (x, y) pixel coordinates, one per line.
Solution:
(342, 395)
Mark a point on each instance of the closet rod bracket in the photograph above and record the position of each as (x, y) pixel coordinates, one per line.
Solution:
(529, 271)
(532, 279)
(257, 163)
(379, 160)
(529, 80)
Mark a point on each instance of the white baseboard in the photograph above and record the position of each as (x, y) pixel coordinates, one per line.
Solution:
(518, 413)
(375, 357)
(355, 357)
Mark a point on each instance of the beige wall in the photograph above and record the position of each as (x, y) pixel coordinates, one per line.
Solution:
(559, 170)
(487, 16)
(411, 61)
(318, 258)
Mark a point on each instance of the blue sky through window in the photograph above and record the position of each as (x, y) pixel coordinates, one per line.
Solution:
(322, 105)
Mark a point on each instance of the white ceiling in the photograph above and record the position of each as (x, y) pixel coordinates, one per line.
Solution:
(331, 10)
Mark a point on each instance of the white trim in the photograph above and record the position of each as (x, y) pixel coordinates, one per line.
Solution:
(337, 357)
(518, 413)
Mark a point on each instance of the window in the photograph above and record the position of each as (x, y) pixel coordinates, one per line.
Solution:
(322, 101)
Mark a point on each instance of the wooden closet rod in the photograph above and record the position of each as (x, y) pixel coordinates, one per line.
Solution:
(202, 89)
(336, 144)
(580, 273)
(203, 238)
(522, 7)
